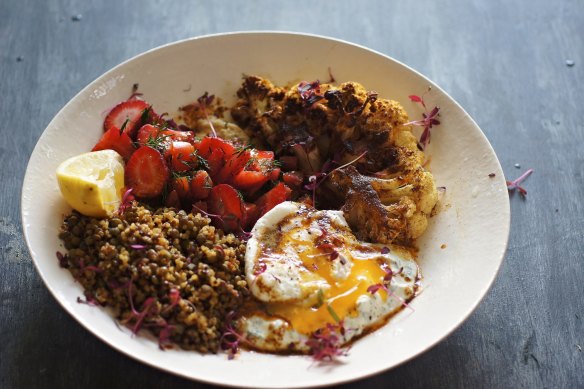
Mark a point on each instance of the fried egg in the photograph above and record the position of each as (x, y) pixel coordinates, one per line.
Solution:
(307, 270)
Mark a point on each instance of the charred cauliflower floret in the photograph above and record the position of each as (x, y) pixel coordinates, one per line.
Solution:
(386, 193)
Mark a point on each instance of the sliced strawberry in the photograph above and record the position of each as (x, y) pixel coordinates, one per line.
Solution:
(293, 179)
(275, 196)
(200, 207)
(146, 173)
(201, 185)
(113, 139)
(182, 187)
(216, 162)
(249, 181)
(250, 215)
(181, 156)
(289, 162)
(209, 144)
(225, 202)
(127, 115)
(173, 200)
(233, 165)
(274, 174)
(149, 134)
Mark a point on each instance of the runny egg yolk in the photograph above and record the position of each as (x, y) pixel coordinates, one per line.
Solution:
(339, 299)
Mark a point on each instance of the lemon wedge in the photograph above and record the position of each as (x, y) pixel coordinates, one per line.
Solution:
(92, 182)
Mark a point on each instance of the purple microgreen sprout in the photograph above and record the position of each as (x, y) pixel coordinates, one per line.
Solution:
(325, 344)
(135, 94)
(309, 93)
(126, 203)
(138, 316)
(386, 280)
(231, 338)
(429, 120)
(89, 300)
(385, 250)
(331, 77)
(63, 259)
(260, 268)
(512, 185)
(83, 267)
(315, 180)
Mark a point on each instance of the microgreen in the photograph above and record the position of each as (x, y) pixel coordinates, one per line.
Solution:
(89, 300)
(325, 344)
(309, 93)
(91, 268)
(126, 203)
(385, 250)
(331, 77)
(429, 120)
(231, 338)
(260, 268)
(243, 235)
(386, 281)
(370, 99)
(512, 185)
(315, 180)
(204, 102)
(63, 260)
(135, 92)
(137, 317)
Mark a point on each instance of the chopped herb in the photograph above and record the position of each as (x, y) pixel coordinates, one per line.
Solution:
(124, 126)
(320, 298)
(332, 312)
(202, 162)
(242, 149)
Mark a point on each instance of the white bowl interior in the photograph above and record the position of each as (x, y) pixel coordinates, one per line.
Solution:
(473, 224)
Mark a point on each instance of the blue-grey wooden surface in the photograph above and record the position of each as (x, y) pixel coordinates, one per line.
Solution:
(505, 61)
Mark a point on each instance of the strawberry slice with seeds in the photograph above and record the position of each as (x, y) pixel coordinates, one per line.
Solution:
(127, 115)
(146, 173)
(115, 140)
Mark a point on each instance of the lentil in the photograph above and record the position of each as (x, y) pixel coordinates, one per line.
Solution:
(166, 271)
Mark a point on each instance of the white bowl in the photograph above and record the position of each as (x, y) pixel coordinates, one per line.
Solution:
(473, 224)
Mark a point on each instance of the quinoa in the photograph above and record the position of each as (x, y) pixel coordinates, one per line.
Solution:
(166, 271)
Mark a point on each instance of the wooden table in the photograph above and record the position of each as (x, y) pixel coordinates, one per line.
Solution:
(517, 67)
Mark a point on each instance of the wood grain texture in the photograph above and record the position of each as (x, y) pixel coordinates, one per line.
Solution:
(504, 61)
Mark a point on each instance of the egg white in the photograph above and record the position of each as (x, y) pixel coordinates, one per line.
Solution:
(277, 274)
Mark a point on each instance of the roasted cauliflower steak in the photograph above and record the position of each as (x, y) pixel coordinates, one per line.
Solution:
(378, 176)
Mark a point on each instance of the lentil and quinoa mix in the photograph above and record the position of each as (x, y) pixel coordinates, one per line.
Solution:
(167, 271)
